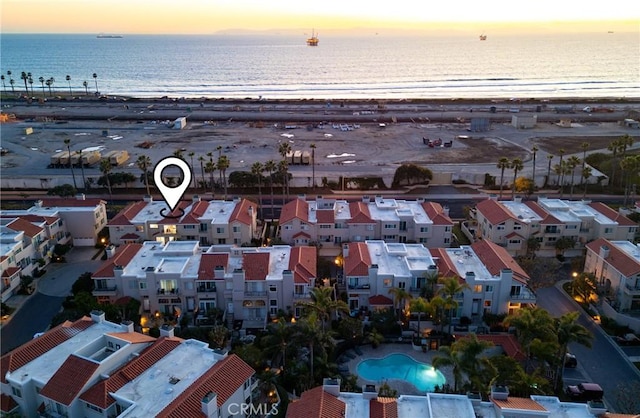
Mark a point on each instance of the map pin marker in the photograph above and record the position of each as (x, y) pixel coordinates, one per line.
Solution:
(172, 195)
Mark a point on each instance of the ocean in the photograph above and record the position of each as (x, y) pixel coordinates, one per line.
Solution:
(587, 65)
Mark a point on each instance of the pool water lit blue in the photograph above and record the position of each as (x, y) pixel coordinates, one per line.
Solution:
(400, 366)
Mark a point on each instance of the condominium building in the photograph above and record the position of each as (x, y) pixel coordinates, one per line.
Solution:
(328, 401)
(96, 368)
(26, 244)
(496, 283)
(83, 218)
(616, 265)
(247, 283)
(511, 224)
(213, 222)
(331, 222)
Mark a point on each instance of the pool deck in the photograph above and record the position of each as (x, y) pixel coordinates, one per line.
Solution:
(403, 387)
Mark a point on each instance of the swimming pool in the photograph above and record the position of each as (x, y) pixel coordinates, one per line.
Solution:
(400, 366)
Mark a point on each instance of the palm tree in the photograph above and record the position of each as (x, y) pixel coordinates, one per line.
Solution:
(4, 86)
(105, 168)
(283, 171)
(86, 87)
(586, 174)
(277, 341)
(210, 168)
(48, 83)
(68, 78)
(270, 166)
(561, 170)
(223, 164)
(95, 78)
(67, 142)
(257, 169)
(41, 80)
(191, 154)
(449, 356)
(584, 147)
(531, 324)
(517, 165)
(323, 304)
(313, 165)
(400, 298)
(503, 164)
(309, 332)
(84, 180)
(31, 83)
(24, 77)
(144, 163)
(572, 163)
(561, 151)
(473, 363)
(569, 331)
(421, 305)
(201, 159)
(534, 151)
(628, 165)
(283, 150)
(12, 82)
(451, 287)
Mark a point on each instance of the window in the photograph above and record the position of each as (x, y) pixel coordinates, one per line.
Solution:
(488, 288)
(477, 288)
(424, 229)
(16, 391)
(423, 240)
(389, 237)
(517, 227)
(220, 230)
(447, 229)
(143, 285)
(447, 240)
(389, 226)
(387, 282)
(514, 241)
(273, 302)
(401, 285)
(500, 227)
(153, 226)
(369, 227)
(487, 303)
(325, 226)
(608, 230)
(93, 407)
(203, 227)
(515, 290)
(189, 227)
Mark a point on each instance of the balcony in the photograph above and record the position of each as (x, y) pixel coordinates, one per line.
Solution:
(525, 295)
(360, 286)
(413, 289)
(255, 293)
(632, 289)
(174, 291)
(105, 291)
(302, 295)
(206, 289)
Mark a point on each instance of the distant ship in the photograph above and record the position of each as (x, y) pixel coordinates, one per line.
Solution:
(483, 37)
(313, 41)
(102, 35)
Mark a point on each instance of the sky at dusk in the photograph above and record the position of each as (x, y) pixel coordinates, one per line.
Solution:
(326, 16)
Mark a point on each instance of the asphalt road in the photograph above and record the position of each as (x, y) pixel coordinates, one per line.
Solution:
(603, 363)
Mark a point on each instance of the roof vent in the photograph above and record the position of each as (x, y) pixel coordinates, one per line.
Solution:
(173, 380)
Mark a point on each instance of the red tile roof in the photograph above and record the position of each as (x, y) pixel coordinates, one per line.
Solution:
(303, 263)
(35, 348)
(617, 258)
(325, 216)
(10, 271)
(494, 211)
(316, 403)
(208, 263)
(195, 213)
(360, 213)
(122, 257)
(295, 209)
(132, 337)
(446, 266)
(514, 235)
(301, 234)
(49, 220)
(224, 379)
(256, 265)
(547, 218)
(508, 342)
(125, 216)
(380, 300)
(435, 212)
(612, 214)
(241, 212)
(496, 258)
(7, 404)
(70, 378)
(130, 236)
(358, 261)
(513, 402)
(383, 408)
(72, 203)
(99, 394)
(27, 227)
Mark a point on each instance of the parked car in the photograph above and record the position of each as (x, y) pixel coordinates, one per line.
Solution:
(585, 392)
(627, 339)
(570, 360)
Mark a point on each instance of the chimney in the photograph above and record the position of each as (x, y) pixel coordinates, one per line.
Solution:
(110, 251)
(210, 404)
(369, 392)
(604, 251)
(345, 250)
(127, 326)
(166, 330)
(195, 198)
(81, 196)
(366, 199)
(493, 196)
(331, 386)
(218, 272)
(445, 211)
(97, 316)
(38, 203)
(147, 198)
(500, 392)
(250, 211)
(517, 199)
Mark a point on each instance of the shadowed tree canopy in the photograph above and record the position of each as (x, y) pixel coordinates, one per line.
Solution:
(408, 174)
